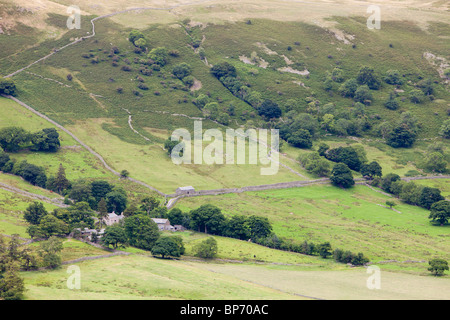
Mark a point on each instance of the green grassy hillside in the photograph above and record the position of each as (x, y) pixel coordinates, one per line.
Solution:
(124, 105)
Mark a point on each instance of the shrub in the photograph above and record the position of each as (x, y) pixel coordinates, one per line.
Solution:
(206, 249)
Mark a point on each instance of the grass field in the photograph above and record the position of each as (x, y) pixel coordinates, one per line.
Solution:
(140, 277)
(11, 208)
(76, 160)
(349, 219)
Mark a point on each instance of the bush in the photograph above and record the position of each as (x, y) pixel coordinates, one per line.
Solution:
(182, 70)
(366, 76)
(301, 139)
(206, 249)
(391, 103)
(438, 266)
(392, 77)
(7, 86)
(401, 136)
(159, 55)
(363, 95)
(223, 70)
(348, 88)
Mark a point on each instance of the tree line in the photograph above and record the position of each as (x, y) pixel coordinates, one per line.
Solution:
(410, 192)
(14, 139)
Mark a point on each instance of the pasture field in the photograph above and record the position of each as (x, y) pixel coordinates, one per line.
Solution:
(12, 206)
(78, 163)
(353, 219)
(140, 277)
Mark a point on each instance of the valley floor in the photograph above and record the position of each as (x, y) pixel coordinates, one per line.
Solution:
(143, 277)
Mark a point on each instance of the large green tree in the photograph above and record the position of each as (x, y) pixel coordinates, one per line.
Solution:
(142, 232)
(167, 247)
(237, 227)
(50, 252)
(301, 139)
(148, 204)
(428, 196)
(207, 218)
(12, 139)
(35, 212)
(114, 236)
(207, 249)
(116, 201)
(371, 170)
(61, 183)
(342, 176)
(438, 266)
(401, 136)
(45, 140)
(440, 212)
(100, 188)
(259, 227)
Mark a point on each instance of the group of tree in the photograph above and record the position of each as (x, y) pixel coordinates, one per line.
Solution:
(60, 222)
(15, 257)
(320, 120)
(414, 194)
(359, 88)
(140, 231)
(29, 172)
(98, 194)
(227, 75)
(7, 87)
(90, 192)
(13, 139)
(323, 250)
(346, 159)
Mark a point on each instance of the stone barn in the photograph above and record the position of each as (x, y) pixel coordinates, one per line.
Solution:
(185, 190)
(163, 224)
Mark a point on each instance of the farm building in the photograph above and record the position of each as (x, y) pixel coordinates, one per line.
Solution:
(185, 190)
(112, 218)
(163, 224)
